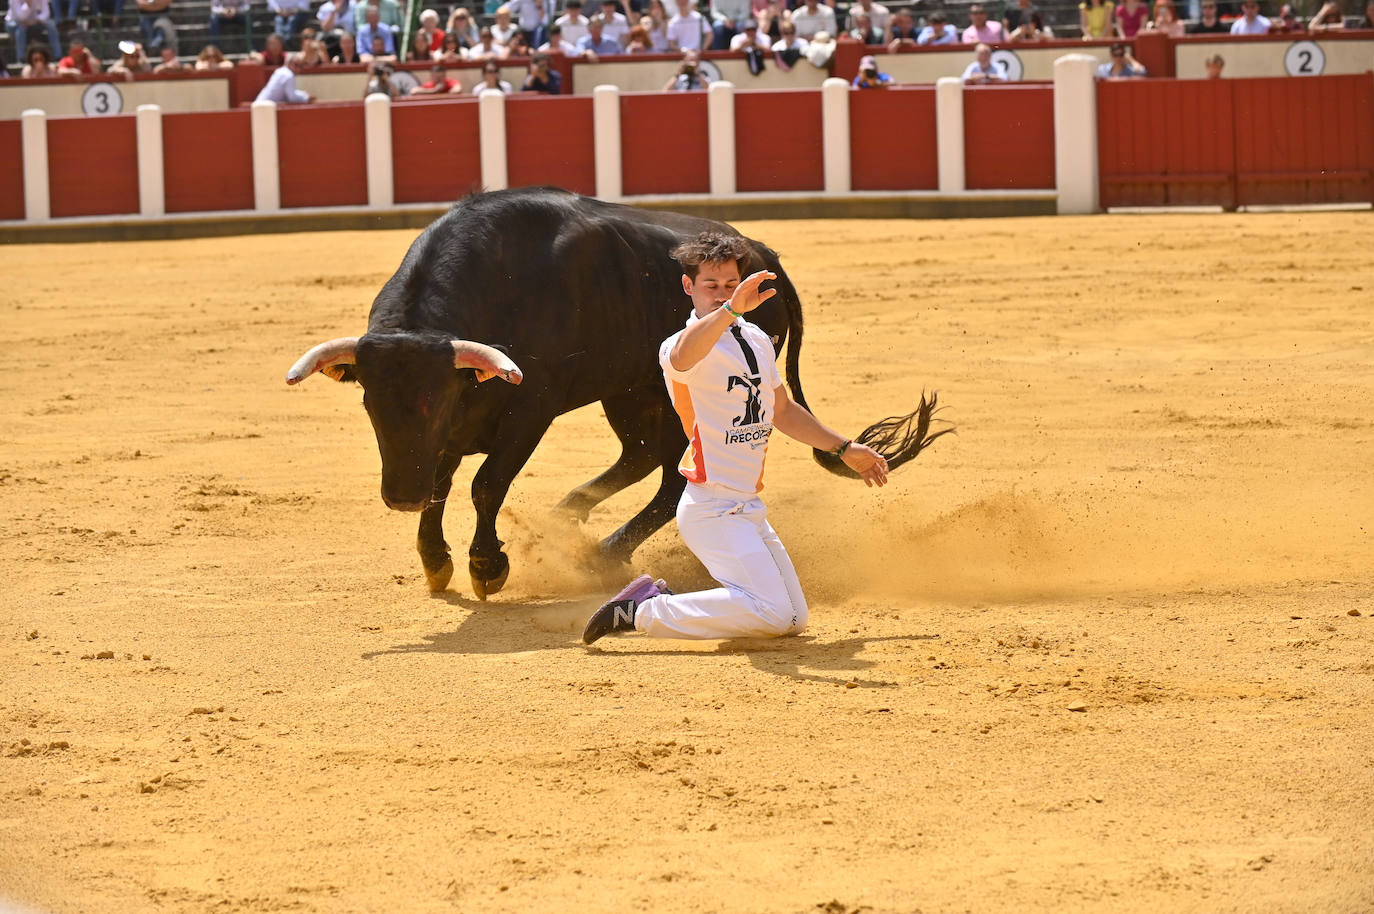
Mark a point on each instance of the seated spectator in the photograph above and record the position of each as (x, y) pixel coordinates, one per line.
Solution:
(131, 60)
(1214, 65)
(461, 26)
(313, 51)
(336, 17)
(170, 62)
(228, 13)
(388, 10)
(531, 17)
(379, 81)
(814, 17)
(1016, 15)
(980, 29)
(1368, 21)
(502, 29)
(281, 85)
(556, 44)
(486, 47)
(39, 65)
(378, 53)
(688, 77)
(1121, 66)
(686, 28)
(289, 17)
(212, 58)
(273, 52)
(879, 17)
(595, 44)
(1032, 28)
(541, 78)
(1208, 23)
(373, 29)
(451, 52)
(79, 60)
(1287, 22)
(655, 22)
(348, 50)
(1130, 18)
(155, 24)
(1097, 19)
(517, 46)
(491, 79)
(1327, 18)
(789, 48)
(616, 27)
(726, 21)
(938, 31)
(769, 14)
(26, 14)
(750, 37)
(639, 41)
(984, 70)
(861, 29)
(1164, 21)
(572, 23)
(870, 77)
(429, 27)
(1250, 22)
(438, 83)
(419, 48)
(903, 32)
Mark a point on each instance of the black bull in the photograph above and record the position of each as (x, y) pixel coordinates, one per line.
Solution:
(578, 294)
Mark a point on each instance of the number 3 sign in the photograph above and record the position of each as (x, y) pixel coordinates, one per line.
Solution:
(102, 98)
(1304, 58)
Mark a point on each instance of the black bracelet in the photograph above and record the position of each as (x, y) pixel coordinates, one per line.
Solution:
(839, 451)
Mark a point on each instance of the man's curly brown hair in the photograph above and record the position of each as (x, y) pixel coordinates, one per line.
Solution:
(711, 247)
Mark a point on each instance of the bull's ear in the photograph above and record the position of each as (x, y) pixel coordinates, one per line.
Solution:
(345, 374)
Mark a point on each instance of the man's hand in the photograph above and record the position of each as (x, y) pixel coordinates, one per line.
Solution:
(747, 296)
(867, 462)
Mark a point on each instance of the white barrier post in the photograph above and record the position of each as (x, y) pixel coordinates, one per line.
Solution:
(266, 166)
(491, 130)
(720, 128)
(34, 139)
(1075, 133)
(381, 184)
(606, 142)
(152, 195)
(835, 135)
(949, 133)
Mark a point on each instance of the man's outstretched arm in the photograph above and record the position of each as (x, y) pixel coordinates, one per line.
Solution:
(796, 422)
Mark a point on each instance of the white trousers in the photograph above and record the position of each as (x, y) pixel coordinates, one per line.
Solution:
(759, 594)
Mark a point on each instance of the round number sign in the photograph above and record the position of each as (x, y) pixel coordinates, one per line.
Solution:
(710, 73)
(102, 98)
(1304, 58)
(1009, 63)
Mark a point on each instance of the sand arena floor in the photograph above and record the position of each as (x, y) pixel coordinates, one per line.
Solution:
(1158, 508)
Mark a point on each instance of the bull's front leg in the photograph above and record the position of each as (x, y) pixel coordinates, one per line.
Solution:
(519, 435)
(429, 541)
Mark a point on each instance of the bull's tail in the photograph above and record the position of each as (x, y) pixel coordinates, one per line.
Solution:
(898, 438)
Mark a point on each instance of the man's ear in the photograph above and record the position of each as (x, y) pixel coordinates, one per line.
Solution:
(686, 283)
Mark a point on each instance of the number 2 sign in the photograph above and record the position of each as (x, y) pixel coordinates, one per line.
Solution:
(1304, 58)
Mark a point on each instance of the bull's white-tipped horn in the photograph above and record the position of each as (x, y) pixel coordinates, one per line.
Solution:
(322, 357)
(489, 362)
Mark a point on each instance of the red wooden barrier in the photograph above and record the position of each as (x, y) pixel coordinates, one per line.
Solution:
(549, 140)
(778, 141)
(1009, 137)
(323, 155)
(664, 147)
(892, 143)
(1163, 143)
(92, 166)
(207, 161)
(12, 177)
(1301, 141)
(436, 153)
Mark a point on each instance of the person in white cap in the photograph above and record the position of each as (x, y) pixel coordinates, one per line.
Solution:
(131, 60)
(724, 383)
(870, 77)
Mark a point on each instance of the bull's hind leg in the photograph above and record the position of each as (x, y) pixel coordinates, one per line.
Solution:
(636, 418)
(434, 551)
(668, 448)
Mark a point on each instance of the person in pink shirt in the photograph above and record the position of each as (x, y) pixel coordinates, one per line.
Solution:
(982, 31)
(1130, 18)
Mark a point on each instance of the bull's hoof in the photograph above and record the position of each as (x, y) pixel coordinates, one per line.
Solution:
(488, 575)
(438, 580)
(576, 510)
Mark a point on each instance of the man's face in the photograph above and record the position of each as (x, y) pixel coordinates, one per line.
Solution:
(607, 11)
(378, 46)
(594, 28)
(1209, 11)
(1251, 10)
(373, 16)
(714, 284)
(78, 50)
(978, 15)
(1213, 69)
(168, 55)
(1118, 57)
(984, 56)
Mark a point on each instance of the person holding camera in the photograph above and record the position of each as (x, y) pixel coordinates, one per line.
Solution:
(870, 77)
(541, 78)
(688, 77)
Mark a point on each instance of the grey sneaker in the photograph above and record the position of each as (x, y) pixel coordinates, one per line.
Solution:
(618, 613)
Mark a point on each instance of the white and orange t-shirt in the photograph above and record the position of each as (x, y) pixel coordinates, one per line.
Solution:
(725, 402)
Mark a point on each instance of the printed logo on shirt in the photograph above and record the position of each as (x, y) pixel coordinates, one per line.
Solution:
(748, 428)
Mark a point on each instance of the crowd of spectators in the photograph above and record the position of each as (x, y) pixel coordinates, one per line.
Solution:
(786, 32)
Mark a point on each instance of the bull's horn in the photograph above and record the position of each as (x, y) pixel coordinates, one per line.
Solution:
(489, 362)
(323, 356)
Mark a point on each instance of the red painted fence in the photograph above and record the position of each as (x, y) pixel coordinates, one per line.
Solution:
(664, 146)
(207, 161)
(92, 166)
(1236, 142)
(1009, 137)
(12, 176)
(892, 139)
